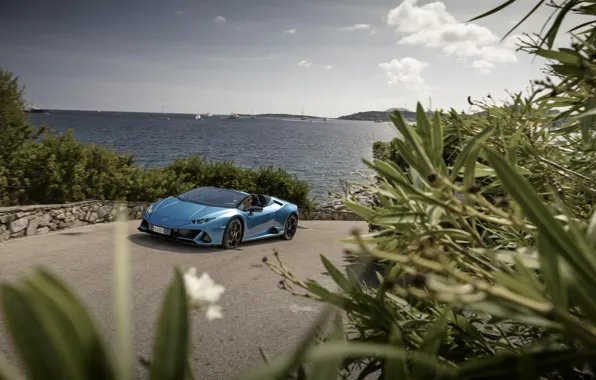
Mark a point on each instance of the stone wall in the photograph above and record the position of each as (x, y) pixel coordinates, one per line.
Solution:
(20, 221)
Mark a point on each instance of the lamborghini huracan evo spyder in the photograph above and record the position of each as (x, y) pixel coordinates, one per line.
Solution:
(212, 216)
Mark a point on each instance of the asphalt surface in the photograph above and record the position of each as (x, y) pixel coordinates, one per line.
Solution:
(256, 313)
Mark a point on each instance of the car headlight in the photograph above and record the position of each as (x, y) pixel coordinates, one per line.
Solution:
(202, 221)
(150, 209)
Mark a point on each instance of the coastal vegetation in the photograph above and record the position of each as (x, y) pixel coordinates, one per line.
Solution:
(39, 166)
(487, 233)
(377, 116)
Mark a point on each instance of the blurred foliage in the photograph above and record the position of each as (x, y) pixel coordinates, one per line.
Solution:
(484, 240)
(43, 167)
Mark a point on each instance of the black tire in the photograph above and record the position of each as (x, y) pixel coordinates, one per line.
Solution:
(291, 227)
(232, 235)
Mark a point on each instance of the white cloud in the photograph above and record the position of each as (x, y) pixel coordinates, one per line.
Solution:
(290, 31)
(220, 19)
(374, 31)
(328, 67)
(432, 26)
(406, 71)
(410, 18)
(179, 13)
(357, 27)
(304, 64)
(484, 66)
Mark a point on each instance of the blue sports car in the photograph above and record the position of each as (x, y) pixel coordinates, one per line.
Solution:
(221, 217)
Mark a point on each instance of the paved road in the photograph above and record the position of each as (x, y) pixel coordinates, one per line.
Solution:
(256, 313)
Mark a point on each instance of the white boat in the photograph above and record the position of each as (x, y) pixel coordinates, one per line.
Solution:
(233, 115)
(197, 117)
(208, 114)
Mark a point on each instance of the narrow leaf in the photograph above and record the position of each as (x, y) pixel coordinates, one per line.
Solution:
(550, 267)
(336, 275)
(328, 370)
(474, 144)
(42, 359)
(572, 251)
(494, 10)
(171, 346)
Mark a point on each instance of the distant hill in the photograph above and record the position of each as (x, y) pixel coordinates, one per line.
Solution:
(380, 115)
(286, 115)
(398, 109)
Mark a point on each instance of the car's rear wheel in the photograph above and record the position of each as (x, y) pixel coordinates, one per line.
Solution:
(291, 227)
(232, 235)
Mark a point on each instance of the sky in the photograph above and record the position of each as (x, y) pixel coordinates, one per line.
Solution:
(326, 57)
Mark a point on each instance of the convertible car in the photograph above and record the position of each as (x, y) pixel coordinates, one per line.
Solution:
(220, 217)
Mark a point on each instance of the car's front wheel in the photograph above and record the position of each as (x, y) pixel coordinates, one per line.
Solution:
(291, 227)
(232, 235)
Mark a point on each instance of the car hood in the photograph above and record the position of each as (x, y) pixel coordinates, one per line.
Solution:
(176, 209)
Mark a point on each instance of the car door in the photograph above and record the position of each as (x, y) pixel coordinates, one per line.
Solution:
(256, 223)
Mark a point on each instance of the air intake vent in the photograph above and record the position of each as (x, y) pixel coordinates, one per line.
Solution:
(279, 203)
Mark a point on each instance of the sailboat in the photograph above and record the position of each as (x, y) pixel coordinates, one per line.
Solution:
(303, 117)
(252, 113)
(163, 111)
(197, 117)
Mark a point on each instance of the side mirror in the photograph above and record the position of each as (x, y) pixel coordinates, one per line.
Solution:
(252, 209)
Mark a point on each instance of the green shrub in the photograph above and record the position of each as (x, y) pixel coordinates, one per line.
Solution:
(46, 167)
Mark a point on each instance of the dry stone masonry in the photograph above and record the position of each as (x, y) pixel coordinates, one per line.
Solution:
(19, 221)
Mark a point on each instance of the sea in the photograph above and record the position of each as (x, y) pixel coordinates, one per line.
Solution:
(321, 153)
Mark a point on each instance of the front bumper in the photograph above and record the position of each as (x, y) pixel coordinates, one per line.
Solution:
(203, 237)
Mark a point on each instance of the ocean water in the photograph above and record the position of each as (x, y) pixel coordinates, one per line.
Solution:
(319, 152)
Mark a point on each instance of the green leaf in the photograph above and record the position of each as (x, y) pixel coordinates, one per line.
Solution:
(171, 348)
(328, 370)
(339, 350)
(471, 149)
(550, 267)
(435, 335)
(558, 56)
(336, 275)
(413, 144)
(506, 366)
(281, 367)
(437, 141)
(398, 218)
(587, 120)
(55, 294)
(361, 210)
(396, 368)
(423, 127)
(43, 356)
(553, 31)
(591, 231)
(523, 19)
(494, 10)
(513, 145)
(573, 251)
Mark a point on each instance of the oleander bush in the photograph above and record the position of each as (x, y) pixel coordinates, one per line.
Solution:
(43, 167)
(486, 239)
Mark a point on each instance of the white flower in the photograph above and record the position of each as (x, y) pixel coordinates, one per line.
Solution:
(203, 293)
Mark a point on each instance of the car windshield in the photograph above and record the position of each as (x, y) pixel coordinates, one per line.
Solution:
(210, 196)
